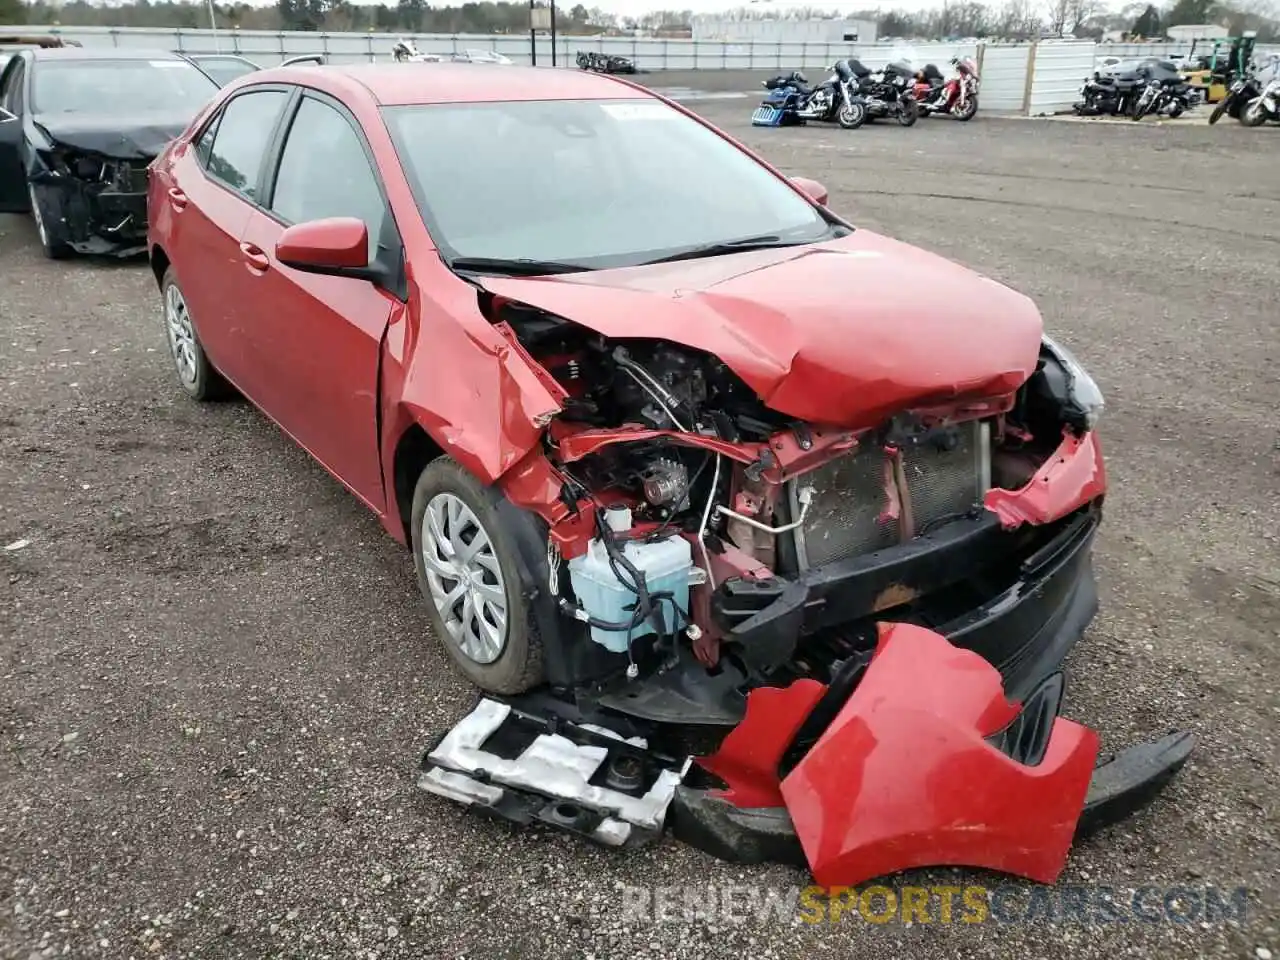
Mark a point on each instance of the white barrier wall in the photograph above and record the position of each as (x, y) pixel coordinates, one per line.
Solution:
(1004, 76)
(1034, 79)
(1057, 70)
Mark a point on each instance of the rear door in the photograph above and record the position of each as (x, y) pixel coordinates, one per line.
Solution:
(216, 183)
(318, 338)
(13, 175)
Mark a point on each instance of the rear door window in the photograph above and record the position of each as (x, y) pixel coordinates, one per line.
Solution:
(239, 146)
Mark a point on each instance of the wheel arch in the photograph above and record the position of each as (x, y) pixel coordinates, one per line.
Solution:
(159, 262)
(414, 449)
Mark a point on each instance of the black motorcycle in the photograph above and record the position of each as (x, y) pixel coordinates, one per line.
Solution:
(1162, 90)
(1113, 92)
(1244, 88)
(601, 63)
(888, 93)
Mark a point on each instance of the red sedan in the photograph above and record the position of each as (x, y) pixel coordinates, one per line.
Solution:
(661, 430)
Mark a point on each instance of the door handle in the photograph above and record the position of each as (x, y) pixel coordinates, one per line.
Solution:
(177, 198)
(255, 258)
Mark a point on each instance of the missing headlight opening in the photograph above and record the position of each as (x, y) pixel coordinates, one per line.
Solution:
(708, 548)
(90, 202)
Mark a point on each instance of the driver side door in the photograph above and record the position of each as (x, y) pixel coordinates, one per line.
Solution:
(316, 340)
(13, 174)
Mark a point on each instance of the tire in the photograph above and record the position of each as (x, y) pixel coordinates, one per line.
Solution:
(907, 114)
(43, 212)
(969, 110)
(196, 375)
(851, 115)
(498, 651)
(1251, 116)
(1223, 106)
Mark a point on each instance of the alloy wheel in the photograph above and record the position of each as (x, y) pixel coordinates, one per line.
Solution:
(464, 578)
(182, 338)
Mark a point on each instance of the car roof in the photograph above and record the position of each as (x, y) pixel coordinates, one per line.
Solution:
(401, 84)
(100, 53)
(214, 56)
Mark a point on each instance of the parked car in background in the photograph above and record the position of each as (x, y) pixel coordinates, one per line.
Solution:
(78, 129)
(11, 43)
(406, 51)
(481, 56)
(222, 68)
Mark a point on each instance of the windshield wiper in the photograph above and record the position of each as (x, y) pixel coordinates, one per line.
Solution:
(767, 242)
(514, 268)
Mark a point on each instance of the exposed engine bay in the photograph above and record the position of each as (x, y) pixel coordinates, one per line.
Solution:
(666, 446)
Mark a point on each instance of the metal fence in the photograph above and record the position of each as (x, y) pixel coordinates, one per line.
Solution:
(1003, 70)
(1056, 72)
(1035, 79)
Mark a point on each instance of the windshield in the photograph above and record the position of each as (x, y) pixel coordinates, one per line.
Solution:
(591, 182)
(224, 69)
(92, 86)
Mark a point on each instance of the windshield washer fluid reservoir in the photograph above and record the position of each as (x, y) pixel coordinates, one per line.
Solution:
(666, 565)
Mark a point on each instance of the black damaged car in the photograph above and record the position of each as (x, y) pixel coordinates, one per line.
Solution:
(77, 130)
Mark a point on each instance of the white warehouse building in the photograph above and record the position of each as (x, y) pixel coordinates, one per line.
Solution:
(785, 31)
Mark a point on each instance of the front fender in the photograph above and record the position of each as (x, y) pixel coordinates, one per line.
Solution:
(446, 370)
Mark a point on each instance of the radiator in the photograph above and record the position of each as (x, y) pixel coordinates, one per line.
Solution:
(849, 495)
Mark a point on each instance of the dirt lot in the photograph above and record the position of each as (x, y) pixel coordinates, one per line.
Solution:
(216, 679)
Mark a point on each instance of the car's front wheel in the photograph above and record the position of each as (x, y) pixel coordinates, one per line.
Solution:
(469, 574)
(196, 375)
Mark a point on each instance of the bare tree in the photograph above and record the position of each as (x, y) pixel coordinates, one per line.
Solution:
(1059, 12)
(1078, 12)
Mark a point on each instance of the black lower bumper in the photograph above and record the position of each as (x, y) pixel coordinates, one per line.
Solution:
(89, 221)
(1121, 785)
(1020, 599)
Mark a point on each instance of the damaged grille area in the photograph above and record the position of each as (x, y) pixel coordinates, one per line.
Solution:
(849, 515)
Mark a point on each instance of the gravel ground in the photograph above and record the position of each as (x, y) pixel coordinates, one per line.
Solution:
(216, 678)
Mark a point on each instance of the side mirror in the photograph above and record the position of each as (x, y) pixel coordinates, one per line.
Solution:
(816, 191)
(338, 246)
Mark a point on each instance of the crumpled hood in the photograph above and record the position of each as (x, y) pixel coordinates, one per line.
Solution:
(845, 332)
(132, 136)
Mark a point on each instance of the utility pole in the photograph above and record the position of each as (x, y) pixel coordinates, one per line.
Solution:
(533, 37)
(553, 32)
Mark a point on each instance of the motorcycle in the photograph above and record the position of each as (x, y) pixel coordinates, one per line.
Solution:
(603, 63)
(1108, 93)
(791, 101)
(957, 97)
(1163, 90)
(406, 51)
(889, 92)
(1264, 107)
(1244, 89)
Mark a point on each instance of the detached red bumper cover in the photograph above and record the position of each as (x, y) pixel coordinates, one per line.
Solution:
(905, 777)
(923, 764)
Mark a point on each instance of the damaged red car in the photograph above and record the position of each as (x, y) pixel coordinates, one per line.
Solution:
(743, 530)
